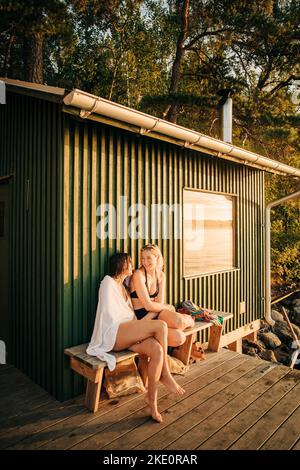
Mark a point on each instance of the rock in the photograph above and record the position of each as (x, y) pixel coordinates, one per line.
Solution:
(270, 340)
(283, 356)
(296, 303)
(257, 345)
(249, 350)
(281, 329)
(294, 316)
(268, 356)
(264, 326)
(277, 316)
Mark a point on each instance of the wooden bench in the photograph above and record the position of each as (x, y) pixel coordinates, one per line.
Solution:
(184, 351)
(92, 368)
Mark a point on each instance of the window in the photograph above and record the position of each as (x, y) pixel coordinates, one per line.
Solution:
(208, 232)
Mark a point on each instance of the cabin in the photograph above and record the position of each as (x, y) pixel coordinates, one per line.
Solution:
(82, 177)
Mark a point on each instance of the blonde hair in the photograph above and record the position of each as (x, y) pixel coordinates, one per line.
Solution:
(157, 253)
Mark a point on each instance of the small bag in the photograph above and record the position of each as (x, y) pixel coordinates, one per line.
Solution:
(176, 366)
(123, 380)
(197, 352)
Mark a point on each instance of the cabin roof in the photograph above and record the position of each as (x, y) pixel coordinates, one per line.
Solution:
(88, 106)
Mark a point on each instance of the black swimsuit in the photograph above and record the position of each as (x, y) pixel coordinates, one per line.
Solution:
(141, 312)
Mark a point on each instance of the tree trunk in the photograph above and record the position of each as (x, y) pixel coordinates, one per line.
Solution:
(33, 58)
(170, 112)
(6, 63)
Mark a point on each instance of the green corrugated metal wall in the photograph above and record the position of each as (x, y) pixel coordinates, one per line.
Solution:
(57, 261)
(102, 163)
(30, 150)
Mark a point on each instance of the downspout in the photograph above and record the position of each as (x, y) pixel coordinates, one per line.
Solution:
(268, 317)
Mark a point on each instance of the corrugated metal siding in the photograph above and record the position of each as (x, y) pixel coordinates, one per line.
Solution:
(30, 149)
(54, 243)
(101, 164)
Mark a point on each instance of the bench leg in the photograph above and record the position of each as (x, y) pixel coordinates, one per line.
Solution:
(215, 334)
(92, 393)
(183, 352)
(236, 346)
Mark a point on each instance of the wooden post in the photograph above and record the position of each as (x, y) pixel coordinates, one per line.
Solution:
(92, 394)
(183, 352)
(236, 346)
(215, 334)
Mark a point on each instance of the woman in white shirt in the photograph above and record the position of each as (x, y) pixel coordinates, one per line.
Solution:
(116, 328)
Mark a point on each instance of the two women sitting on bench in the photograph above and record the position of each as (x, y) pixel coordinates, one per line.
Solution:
(116, 326)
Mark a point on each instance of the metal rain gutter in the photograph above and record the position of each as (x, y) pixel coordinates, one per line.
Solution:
(295, 195)
(89, 104)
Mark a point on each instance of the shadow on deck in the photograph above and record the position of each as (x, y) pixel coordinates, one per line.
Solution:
(232, 401)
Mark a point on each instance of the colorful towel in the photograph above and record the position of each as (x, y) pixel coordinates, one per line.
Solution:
(189, 308)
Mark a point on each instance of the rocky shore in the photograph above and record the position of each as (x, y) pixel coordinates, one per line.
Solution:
(275, 343)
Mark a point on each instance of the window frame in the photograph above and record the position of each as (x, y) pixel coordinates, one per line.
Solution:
(236, 266)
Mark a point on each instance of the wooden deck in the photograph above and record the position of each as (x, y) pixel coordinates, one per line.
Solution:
(232, 401)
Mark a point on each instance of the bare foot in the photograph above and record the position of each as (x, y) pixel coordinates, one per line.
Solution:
(153, 411)
(171, 385)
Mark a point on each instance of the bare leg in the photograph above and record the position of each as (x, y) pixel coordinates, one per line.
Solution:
(143, 369)
(175, 337)
(131, 332)
(176, 320)
(152, 349)
(166, 377)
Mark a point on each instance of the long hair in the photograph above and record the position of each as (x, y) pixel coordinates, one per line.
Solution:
(154, 249)
(117, 263)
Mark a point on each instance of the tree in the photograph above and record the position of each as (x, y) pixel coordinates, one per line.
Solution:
(26, 24)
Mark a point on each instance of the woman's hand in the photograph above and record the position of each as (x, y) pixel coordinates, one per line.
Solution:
(150, 316)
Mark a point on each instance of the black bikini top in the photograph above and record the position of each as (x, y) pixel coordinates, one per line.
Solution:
(134, 295)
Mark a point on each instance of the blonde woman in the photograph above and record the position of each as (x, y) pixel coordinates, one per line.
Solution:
(147, 292)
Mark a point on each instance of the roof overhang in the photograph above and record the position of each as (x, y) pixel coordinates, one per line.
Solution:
(36, 90)
(88, 106)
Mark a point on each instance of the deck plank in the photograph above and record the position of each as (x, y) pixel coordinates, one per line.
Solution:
(286, 403)
(296, 446)
(217, 383)
(21, 398)
(124, 407)
(230, 398)
(5, 367)
(194, 393)
(37, 421)
(187, 427)
(241, 397)
(59, 430)
(13, 378)
(287, 435)
(240, 424)
(21, 408)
